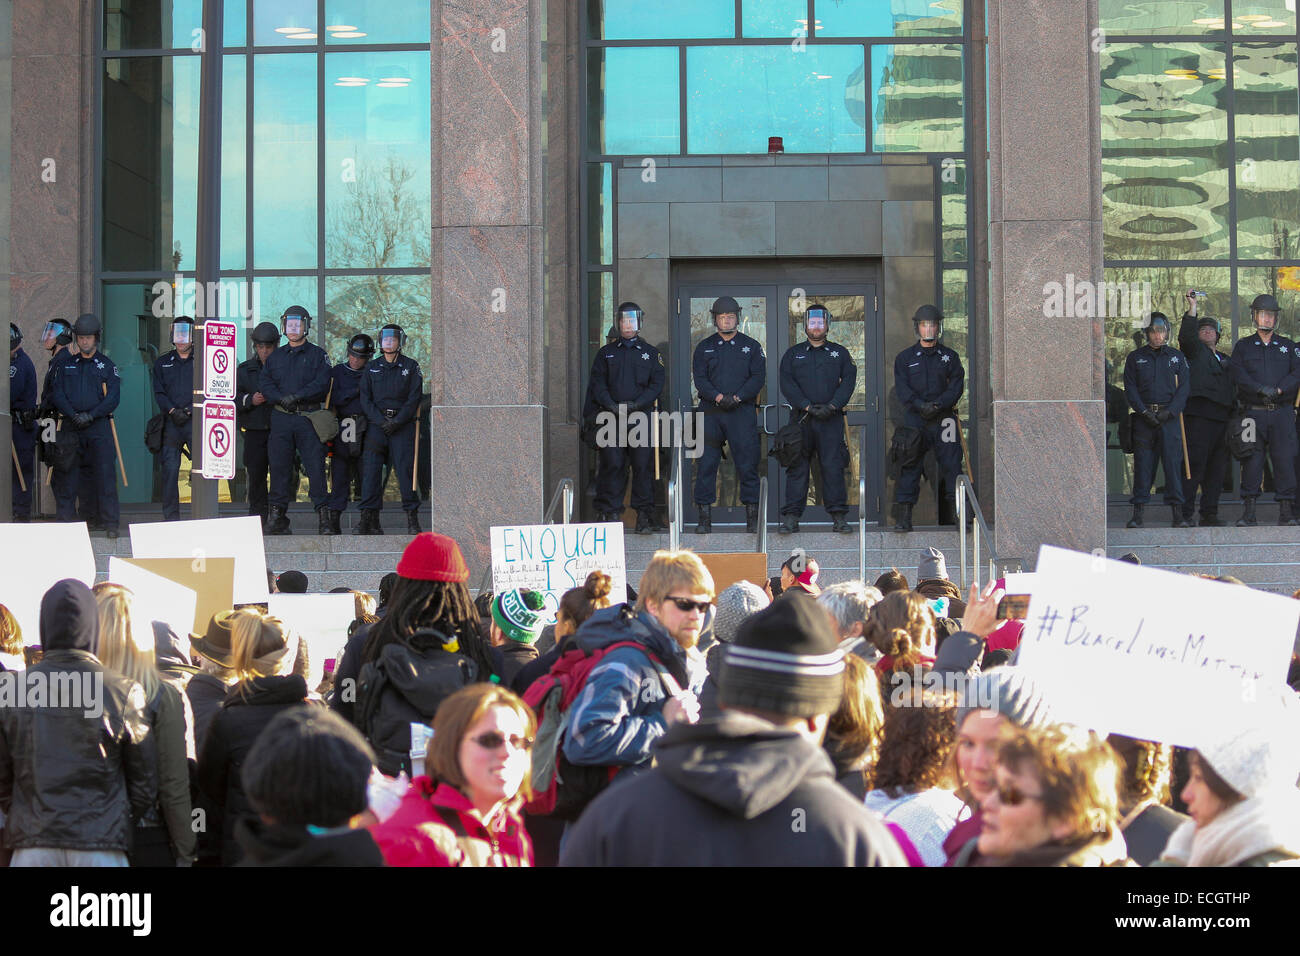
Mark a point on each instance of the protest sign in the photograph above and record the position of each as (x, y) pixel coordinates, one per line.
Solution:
(321, 620)
(552, 558)
(1149, 653)
(212, 582)
(726, 568)
(35, 556)
(238, 538)
(156, 597)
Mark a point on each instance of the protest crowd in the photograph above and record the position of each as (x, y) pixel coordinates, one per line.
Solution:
(774, 723)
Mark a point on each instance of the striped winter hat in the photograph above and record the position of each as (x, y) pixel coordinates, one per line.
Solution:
(518, 612)
(785, 660)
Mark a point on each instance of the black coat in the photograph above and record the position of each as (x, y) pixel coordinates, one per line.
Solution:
(1147, 835)
(72, 781)
(231, 736)
(514, 657)
(290, 845)
(1211, 376)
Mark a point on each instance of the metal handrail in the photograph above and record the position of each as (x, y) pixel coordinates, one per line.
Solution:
(762, 515)
(966, 491)
(675, 500)
(862, 504)
(563, 493)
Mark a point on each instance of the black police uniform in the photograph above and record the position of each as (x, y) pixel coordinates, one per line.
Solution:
(88, 386)
(1209, 406)
(628, 372)
(822, 375)
(390, 394)
(255, 422)
(922, 377)
(302, 372)
(1157, 380)
(736, 368)
(22, 406)
(1257, 368)
(87, 507)
(173, 391)
(345, 461)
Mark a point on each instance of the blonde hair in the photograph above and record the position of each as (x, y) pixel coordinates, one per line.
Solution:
(255, 637)
(670, 570)
(11, 633)
(364, 607)
(125, 643)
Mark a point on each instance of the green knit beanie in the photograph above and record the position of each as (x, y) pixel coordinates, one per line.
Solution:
(518, 613)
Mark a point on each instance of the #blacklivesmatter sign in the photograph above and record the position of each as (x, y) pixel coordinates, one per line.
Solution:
(1150, 653)
(552, 558)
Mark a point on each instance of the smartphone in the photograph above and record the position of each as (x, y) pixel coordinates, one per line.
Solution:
(1013, 607)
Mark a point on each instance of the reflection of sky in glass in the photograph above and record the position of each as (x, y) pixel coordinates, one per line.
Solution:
(774, 18)
(377, 160)
(1188, 17)
(888, 18)
(916, 98)
(641, 107)
(365, 303)
(234, 22)
(739, 96)
(393, 21)
(668, 19)
(272, 16)
(284, 161)
(600, 214)
(273, 294)
(234, 110)
(953, 209)
(1164, 130)
(184, 96)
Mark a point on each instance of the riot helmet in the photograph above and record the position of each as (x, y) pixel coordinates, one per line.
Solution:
(392, 334)
(1159, 323)
(362, 346)
(15, 337)
(1264, 305)
(182, 333)
(928, 313)
(266, 334)
(725, 305)
(632, 311)
(56, 334)
(296, 321)
(817, 319)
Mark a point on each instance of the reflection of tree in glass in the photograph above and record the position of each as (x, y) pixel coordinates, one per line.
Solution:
(382, 221)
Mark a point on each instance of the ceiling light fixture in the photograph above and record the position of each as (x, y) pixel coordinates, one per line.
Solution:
(302, 36)
(339, 26)
(348, 35)
(291, 30)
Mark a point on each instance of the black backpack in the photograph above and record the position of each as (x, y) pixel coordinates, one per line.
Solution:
(153, 434)
(406, 684)
(1238, 447)
(907, 448)
(787, 444)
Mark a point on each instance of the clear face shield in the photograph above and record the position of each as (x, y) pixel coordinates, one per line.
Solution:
(817, 324)
(1266, 320)
(50, 334)
(294, 326)
(629, 323)
(1157, 334)
(390, 340)
(182, 335)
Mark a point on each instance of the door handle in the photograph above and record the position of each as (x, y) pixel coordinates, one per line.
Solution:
(763, 420)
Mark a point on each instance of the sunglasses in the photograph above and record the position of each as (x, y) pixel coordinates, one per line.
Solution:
(686, 604)
(492, 740)
(1012, 796)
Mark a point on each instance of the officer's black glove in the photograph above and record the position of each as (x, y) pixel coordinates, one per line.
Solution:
(1164, 415)
(288, 402)
(1151, 418)
(930, 411)
(821, 412)
(389, 426)
(729, 402)
(1268, 394)
(82, 419)
(179, 417)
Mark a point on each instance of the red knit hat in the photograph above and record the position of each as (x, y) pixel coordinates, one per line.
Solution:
(433, 557)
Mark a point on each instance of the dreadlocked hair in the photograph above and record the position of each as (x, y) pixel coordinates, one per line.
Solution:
(441, 605)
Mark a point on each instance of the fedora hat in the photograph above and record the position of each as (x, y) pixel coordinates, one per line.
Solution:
(215, 642)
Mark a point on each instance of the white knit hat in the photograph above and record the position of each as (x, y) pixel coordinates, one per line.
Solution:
(1258, 757)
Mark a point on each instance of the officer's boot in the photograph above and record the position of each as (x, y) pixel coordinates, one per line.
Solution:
(841, 524)
(1247, 519)
(705, 525)
(323, 521)
(413, 522)
(279, 523)
(1178, 520)
(1211, 519)
(1286, 513)
(375, 527)
(363, 524)
(789, 524)
(751, 518)
(1136, 520)
(644, 523)
(334, 521)
(903, 516)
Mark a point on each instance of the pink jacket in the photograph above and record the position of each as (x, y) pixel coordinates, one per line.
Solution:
(434, 827)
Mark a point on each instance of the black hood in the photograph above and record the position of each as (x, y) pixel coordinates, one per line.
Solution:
(69, 617)
(267, 691)
(741, 764)
(277, 844)
(170, 651)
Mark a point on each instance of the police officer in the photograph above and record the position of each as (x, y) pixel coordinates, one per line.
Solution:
(929, 380)
(295, 380)
(22, 409)
(1266, 370)
(1156, 384)
(391, 388)
(173, 391)
(254, 415)
(345, 399)
(817, 379)
(730, 370)
(1209, 406)
(56, 339)
(85, 390)
(627, 377)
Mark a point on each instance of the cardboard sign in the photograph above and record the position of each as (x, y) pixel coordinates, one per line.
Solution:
(728, 568)
(552, 558)
(1149, 653)
(218, 439)
(212, 582)
(35, 556)
(321, 620)
(157, 597)
(219, 360)
(238, 538)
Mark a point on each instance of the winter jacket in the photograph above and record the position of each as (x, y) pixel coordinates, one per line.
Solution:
(1102, 849)
(166, 714)
(731, 791)
(1211, 377)
(927, 817)
(539, 667)
(1149, 832)
(1263, 830)
(937, 588)
(960, 835)
(274, 844)
(434, 826)
(234, 730)
(514, 657)
(175, 668)
(347, 671)
(206, 694)
(69, 780)
(619, 712)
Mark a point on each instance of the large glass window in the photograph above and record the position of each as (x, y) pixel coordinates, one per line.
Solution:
(1267, 133)
(774, 18)
(634, 100)
(917, 97)
(662, 19)
(284, 160)
(888, 18)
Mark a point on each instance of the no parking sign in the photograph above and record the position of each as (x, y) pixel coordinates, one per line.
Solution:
(219, 360)
(218, 439)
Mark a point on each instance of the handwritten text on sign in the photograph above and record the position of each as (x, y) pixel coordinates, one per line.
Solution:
(552, 558)
(1150, 653)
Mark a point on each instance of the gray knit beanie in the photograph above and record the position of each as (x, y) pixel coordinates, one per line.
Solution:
(1008, 691)
(735, 604)
(933, 567)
